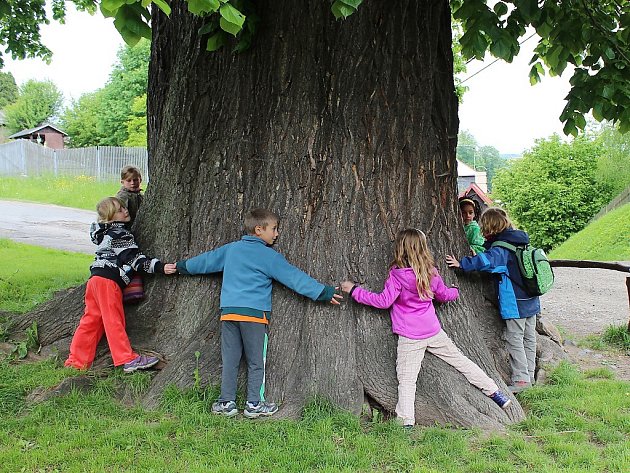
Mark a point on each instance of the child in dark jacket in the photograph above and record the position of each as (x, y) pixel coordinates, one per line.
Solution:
(409, 291)
(130, 193)
(117, 257)
(517, 308)
(249, 267)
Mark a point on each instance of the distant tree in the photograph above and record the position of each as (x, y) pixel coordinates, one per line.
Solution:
(82, 120)
(137, 124)
(37, 102)
(552, 192)
(467, 147)
(127, 81)
(102, 117)
(481, 158)
(8, 89)
(613, 166)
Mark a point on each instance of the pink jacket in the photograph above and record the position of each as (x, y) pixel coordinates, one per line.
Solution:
(412, 316)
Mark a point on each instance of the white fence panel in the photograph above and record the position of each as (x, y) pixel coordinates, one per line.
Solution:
(23, 158)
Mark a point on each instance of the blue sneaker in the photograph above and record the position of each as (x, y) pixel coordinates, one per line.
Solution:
(225, 408)
(141, 362)
(501, 399)
(257, 409)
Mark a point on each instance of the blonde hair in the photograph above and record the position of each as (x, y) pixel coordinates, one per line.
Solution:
(107, 207)
(130, 171)
(259, 218)
(411, 251)
(494, 220)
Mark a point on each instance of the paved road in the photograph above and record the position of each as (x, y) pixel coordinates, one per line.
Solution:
(46, 225)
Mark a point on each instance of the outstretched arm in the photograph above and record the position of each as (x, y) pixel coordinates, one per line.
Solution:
(382, 300)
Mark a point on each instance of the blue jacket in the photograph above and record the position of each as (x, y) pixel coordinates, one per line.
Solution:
(513, 302)
(249, 266)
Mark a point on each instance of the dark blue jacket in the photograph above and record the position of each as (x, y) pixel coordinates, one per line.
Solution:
(514, 303)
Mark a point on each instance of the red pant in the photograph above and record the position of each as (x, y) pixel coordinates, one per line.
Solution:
(103, 314)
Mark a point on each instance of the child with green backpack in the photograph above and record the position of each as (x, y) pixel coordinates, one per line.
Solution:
(517, 307)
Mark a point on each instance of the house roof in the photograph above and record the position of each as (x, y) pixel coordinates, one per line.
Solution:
(30, 131)
(464, 170)
(474, 189)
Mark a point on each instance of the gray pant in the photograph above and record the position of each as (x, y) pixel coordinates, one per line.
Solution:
(237, 337)
(520, 335)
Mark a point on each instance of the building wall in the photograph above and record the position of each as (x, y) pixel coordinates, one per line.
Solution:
(53, 140)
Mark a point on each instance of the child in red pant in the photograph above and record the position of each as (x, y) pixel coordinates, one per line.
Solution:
(117, 258)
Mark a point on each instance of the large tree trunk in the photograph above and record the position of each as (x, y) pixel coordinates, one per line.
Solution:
(348, 130)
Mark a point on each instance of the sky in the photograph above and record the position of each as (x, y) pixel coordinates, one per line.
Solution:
(500, 109)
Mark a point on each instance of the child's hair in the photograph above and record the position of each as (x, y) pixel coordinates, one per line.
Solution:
(494, 220)
(107, 207)
(411, 251)
(468, 201)
(130, 171)
(259, 218)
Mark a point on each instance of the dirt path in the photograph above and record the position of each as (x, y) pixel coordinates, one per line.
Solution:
(584, 302)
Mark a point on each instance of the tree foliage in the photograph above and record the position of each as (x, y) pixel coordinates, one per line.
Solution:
(613, 166)
(137, 124)
(593, 36)
(8, 89)
(37, 102)
(481, 158)
(552, 192)
(82, 120)
(101, 117)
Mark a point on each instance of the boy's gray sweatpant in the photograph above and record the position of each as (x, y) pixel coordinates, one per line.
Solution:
(236, 338)
(520, 335)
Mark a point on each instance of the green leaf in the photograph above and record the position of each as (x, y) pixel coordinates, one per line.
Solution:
(112, 5)
(199, 7)
(229, 27)
(352, 3)
(207, 28)
(216, 41)
(232, 15)
(162, 5)
(570, 128)
(342, 10)
(500, 8)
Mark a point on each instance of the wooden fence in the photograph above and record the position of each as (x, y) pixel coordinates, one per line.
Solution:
(618, 201)
(23, 158)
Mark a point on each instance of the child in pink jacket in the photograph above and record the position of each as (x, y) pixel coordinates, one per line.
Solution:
(409, 291)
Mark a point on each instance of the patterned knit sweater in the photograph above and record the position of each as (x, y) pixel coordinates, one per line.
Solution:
(118, 256)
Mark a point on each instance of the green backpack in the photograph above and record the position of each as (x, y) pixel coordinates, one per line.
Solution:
(534, 267)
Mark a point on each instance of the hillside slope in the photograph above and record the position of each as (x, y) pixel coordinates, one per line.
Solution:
(605, 239)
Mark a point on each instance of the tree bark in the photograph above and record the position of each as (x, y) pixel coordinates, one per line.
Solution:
(348, 130)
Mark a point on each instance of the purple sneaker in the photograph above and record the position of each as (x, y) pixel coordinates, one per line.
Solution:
(141, 362)
(501, 399)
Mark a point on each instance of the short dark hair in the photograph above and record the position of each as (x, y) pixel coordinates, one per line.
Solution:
(259, 218)
(129, 171)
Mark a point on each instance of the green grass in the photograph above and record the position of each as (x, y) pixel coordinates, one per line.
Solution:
(80, 192)
(579, 422)
(605, 239)
(30, 275)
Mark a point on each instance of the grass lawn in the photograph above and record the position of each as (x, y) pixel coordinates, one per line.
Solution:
(29, 275)
(605, 239)
(577, 423)
(80, 192)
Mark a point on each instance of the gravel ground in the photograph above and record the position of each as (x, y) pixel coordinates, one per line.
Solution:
(585, 301)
